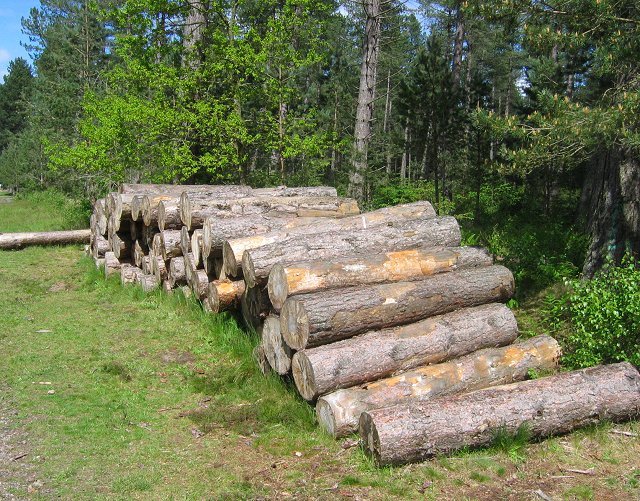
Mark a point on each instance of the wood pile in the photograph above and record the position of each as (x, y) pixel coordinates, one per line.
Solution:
(382, 319)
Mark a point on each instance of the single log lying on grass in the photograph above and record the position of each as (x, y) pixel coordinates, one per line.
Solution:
(379, 354)
(277, 352)
(193, 215)
(339, 412)
(225, 294)
(254, 306)
(548, 406)
(177, 275)
(111, 264)
(252, 238)
(130, 274)
(324, 317)
(21, 240)
(394, 266)
(440, 231)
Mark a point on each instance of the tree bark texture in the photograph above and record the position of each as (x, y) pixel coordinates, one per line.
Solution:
(339, 412)
(394, 266)
(319, 318)
(99, 246)
(243, 241)
(275, 349)
(379, 354)
(548, 406)
(257, 263)
(21, 240)
(366, 97)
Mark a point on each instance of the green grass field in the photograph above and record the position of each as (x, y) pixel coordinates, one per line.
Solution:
(121, 395)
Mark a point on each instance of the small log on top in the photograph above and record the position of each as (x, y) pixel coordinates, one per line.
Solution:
(235, 241)
(416, 430)
(379, 354)
(440, 231)
(275, 349)
(339, 412)
(325, 317)
(394, 266)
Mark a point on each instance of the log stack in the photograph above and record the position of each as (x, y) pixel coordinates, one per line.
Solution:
(381, 319)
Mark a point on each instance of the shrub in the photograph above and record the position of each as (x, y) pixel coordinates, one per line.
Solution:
(605, 315)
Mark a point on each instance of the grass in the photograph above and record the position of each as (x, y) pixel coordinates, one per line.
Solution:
(154, 399)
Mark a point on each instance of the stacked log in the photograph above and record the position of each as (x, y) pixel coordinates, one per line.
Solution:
(382, 320)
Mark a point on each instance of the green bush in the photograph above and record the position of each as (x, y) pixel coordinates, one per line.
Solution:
(605, 315)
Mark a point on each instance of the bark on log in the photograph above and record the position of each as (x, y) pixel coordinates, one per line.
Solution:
(261, 360)
(379, 354)
(252, 238)
(394, 266)
(319, 318)
(177, 189)
(339, 412)
(111, 264)
(225, 294)
(547, 406)
(130, 274)
(275, 349)
(257, 263)
(169, 216)
(302, 191)
(193, 216)
(170, 241)
(156, 246)
(185, 240)
(254, 306)
(189, 268)
(99, 210)
(21, 240)
(149, 282)
(177, 275)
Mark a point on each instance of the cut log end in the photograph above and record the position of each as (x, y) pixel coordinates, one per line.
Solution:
(230, 263)
(248, 270)
(326, 418)
(278, 286)
(294, 323)
(303, 376)
(277, 352)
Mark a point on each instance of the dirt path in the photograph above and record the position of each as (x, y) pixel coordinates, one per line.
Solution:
(16, 472)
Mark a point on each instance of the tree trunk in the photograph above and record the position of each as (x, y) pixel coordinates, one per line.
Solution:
(325, 317)
(407, 265)
(233, 249)
(21, 240)
(277, 352)
(225, 294)
(366, 97)
(339, 412)
(548, 406)
(379, 354)
(257, 263)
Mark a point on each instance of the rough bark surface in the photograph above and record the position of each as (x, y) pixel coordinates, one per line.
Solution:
(99, 246)
(394, 266)
(325, 317)
(552, 405)
(379, 354)
(21, 240)
(130, 274)
(339, 412)
(302, 191)
(170, 243)
(250, 238)
(275, 349)
(440, 231)
(225, 294)
(199, 283)
(255, 306)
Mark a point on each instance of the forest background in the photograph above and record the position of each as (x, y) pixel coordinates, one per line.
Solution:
(519, 117)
